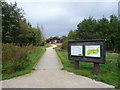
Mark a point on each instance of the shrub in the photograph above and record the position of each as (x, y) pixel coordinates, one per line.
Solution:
(42, 44)
(65, 45)
(14, 58)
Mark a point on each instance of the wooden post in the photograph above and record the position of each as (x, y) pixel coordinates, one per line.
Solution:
(76, 65)
(96, 69)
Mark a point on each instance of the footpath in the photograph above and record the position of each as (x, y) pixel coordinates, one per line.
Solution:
(48, 74)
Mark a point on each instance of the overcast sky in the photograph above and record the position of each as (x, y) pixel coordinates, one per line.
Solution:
(58, 18)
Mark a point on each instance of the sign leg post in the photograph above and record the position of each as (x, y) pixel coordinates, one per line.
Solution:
(76, 65)
(96, 69)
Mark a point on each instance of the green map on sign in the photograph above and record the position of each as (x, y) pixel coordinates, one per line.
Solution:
(92, 51)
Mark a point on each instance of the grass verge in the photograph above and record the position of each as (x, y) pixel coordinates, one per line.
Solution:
(109, 71)
(33, 57)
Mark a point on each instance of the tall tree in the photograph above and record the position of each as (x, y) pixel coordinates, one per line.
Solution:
(16, 28)
(72, 35)
(86, 29)
(11, 15)
(114, 31)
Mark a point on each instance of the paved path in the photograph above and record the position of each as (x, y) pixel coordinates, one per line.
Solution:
(49, 61)
(49, 75)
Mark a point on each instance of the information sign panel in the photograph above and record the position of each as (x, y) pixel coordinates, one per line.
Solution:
(76, 50)
(87, 50)
(93, 51)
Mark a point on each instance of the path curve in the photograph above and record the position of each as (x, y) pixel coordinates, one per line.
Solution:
(49, 75)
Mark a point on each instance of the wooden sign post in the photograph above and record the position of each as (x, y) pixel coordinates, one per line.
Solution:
(96, 69)
(76, 65)
(89, 51)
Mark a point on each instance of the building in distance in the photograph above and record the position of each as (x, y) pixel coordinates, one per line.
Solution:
(54, 41)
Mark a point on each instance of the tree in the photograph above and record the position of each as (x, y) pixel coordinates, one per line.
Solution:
(24, 35)
(87, 29)
(40, 35)
(72, 35)
(16, 28)
(114, 31)
(103, 30)
(118, 39)
(63, 38)
(98, 29)
(11, 15)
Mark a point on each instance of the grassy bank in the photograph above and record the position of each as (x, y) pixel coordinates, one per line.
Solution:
(109, 71)
(32, 58)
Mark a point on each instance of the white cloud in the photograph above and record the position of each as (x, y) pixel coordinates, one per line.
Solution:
(76, 19)
(52, 13)
(44, 12)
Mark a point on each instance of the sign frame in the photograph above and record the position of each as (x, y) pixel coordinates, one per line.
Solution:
(100, 60)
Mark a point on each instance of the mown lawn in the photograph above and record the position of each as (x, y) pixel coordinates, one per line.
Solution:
(108, 72)
(33, 58)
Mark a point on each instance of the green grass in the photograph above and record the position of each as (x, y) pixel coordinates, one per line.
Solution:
(108, 71)
(34, 57)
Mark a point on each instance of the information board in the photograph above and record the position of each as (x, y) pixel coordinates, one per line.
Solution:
(76, 50)
(92, 51)
(87, 50)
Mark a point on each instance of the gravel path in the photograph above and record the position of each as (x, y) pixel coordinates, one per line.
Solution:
(49, 75)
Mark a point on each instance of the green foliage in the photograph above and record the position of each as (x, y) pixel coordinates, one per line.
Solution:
(11, 16)
(63, 38)
(86, 29)
(64, 42)
(71, 35)
(114, 32)
(103, 28)
(15, 27)
(109, 71)
(64, 45)
(14, 58)
(98, 29)
(16, 66)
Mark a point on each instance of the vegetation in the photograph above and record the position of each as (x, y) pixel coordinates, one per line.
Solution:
(97, 29)
(15, 27)
(19, 60)
(91, 28)
(109, 71)
(19, 41)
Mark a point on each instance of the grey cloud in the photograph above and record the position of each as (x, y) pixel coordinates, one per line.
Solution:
(59, 18)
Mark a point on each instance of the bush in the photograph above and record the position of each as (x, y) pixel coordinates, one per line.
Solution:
(42, 44)
(21, 66)
(65, 45)
(14, 58)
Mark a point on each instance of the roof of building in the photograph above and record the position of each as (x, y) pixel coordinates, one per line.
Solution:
(53, 38)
